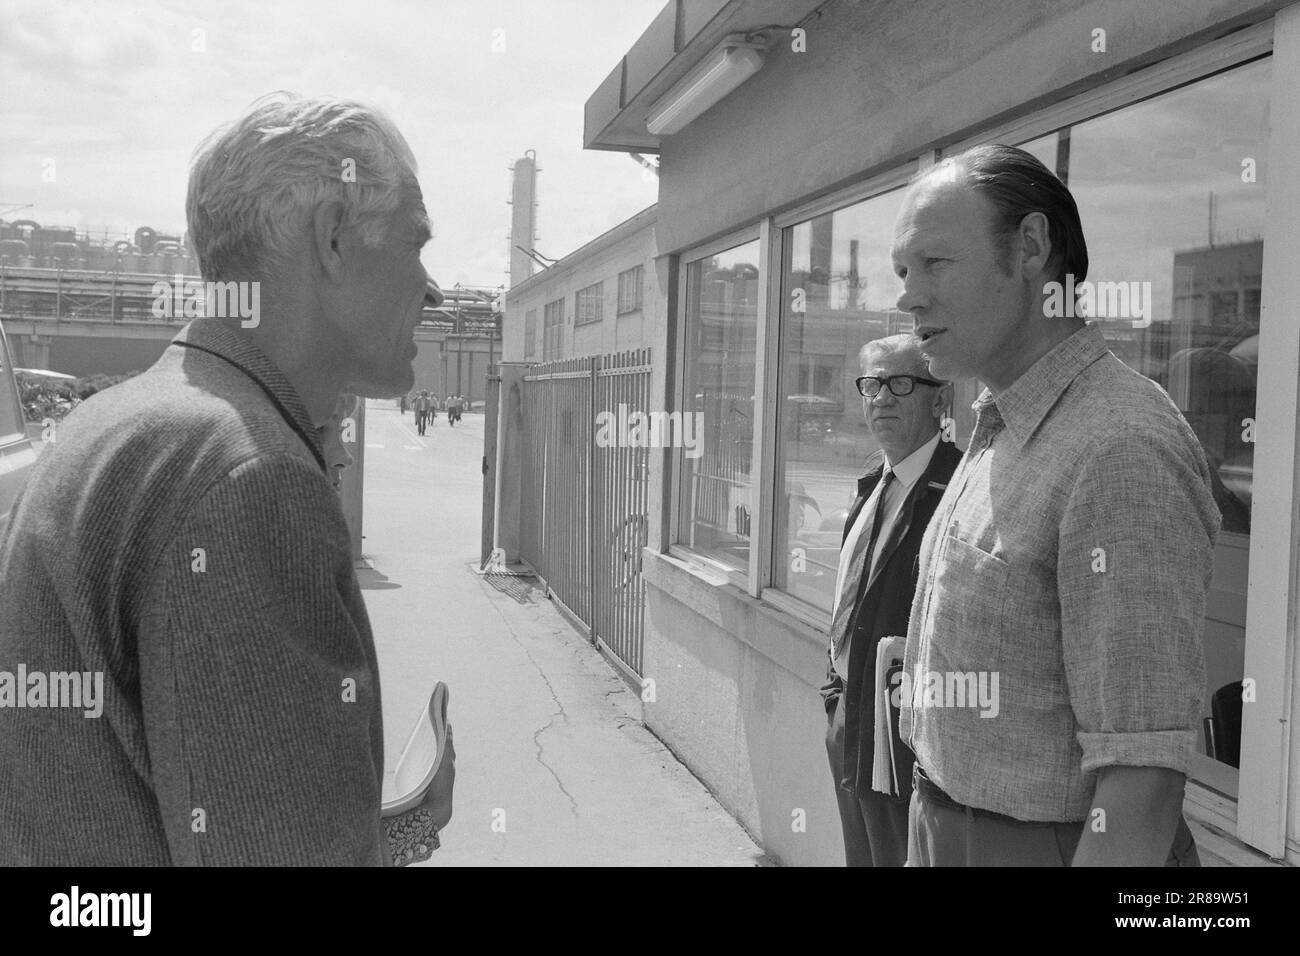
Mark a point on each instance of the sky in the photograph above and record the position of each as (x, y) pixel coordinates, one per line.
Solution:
(105, 102)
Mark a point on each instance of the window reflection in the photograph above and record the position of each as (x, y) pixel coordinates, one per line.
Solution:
(1171, 192)
(721, 340)
(838, 293)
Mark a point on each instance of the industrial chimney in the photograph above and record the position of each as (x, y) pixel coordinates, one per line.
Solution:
(523, 216)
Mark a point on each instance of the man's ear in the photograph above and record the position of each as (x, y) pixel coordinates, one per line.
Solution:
(1035, 243)
(327, 234)
(942, 399)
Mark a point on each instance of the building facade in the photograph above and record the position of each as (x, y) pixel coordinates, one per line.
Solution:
(1171, 125)
(594, 301)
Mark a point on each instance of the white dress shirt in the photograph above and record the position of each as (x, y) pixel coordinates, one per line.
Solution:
(906, 474)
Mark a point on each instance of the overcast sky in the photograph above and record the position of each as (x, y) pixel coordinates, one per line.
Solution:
(112, 98)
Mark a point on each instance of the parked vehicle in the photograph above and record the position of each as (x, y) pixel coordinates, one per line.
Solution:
(16, 452)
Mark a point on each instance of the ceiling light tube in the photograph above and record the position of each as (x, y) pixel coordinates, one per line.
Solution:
(734, 61)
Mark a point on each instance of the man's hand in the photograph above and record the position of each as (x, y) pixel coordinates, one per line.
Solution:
(1139, 812)
(437, 800)
(413, 835)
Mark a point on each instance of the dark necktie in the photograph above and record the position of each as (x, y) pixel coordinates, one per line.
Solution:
(858, 566)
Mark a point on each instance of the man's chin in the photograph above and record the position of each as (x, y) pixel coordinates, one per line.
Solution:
(389, 386)
(944, 369)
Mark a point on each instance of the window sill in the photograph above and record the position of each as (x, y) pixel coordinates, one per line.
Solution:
(801, 610)
(685, 578)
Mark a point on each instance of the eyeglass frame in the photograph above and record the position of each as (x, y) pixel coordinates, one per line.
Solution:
(887, 382)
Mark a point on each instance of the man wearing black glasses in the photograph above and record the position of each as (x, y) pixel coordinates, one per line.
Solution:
(874, 589)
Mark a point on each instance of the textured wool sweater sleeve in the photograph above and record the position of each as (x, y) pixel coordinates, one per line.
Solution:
(260, 687)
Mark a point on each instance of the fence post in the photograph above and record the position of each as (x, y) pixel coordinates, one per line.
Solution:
(591, 481)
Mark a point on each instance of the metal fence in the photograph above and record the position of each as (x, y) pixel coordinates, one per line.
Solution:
(584, 508)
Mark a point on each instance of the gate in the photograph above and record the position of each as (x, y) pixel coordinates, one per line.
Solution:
(584, 502)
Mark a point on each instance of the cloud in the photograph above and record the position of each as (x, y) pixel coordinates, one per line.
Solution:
(118, 94)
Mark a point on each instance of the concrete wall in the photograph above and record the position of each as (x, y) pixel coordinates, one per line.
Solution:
(882, 81)
(732, 700)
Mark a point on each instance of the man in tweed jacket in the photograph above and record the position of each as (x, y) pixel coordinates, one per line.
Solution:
(182, 538)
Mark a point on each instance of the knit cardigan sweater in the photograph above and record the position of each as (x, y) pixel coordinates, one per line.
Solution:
(181, 538)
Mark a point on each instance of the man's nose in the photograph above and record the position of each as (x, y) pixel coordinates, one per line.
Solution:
(910, 299)
(433, 296)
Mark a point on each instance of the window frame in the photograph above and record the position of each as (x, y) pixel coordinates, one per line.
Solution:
(583, 296)
(636, 282)
(700, 563)
(878, 185)
(555, 352)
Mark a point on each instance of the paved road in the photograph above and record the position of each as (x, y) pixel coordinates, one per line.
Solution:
(553, 764)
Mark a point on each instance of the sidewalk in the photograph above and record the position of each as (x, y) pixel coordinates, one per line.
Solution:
(553, 765)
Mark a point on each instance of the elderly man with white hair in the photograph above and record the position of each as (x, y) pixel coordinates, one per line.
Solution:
(182, 538)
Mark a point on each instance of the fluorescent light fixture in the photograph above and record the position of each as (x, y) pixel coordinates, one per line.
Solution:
(734, 61)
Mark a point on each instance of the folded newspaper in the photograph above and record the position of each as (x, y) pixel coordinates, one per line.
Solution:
(884, 769)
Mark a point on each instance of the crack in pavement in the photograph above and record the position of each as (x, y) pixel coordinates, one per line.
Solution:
(560, 715)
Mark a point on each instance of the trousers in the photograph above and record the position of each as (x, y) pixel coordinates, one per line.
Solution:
(874, 825)
(942, 832)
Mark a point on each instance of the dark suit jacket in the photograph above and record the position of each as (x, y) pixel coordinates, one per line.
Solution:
(883, 606)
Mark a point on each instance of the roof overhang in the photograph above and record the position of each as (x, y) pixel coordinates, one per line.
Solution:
(677, 41)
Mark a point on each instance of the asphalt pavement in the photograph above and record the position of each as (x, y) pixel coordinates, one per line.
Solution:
(553, 764)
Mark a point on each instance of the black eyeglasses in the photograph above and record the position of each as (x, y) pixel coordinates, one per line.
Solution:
(900, 385)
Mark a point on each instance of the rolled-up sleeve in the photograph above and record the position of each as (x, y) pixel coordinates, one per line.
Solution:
(259, 686)
(1135, 561)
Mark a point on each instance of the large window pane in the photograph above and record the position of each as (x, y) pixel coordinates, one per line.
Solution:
(1172, 193)
(838, 293)
(12, 421)
(720, 344)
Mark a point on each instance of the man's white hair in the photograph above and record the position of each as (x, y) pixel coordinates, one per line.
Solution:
(254, 181)
(914, 362)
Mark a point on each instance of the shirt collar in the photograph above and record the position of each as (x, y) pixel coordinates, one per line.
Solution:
(224, 342)
(1025, 403)
(911, 468)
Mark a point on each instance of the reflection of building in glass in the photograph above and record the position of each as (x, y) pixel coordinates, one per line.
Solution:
(825, 322)
(1219, 286)
(1216, 304)
(1211, 374)
(722, 373)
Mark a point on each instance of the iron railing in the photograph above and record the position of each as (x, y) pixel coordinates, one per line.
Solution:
(584, 515)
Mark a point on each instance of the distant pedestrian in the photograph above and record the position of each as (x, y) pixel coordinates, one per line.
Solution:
(403, 406)
(421, 411)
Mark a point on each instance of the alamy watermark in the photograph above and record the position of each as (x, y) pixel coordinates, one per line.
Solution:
(1099, 300)
(973, 689)
(637, 429)
(75, 908)
(194, 299)
(76, 689)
